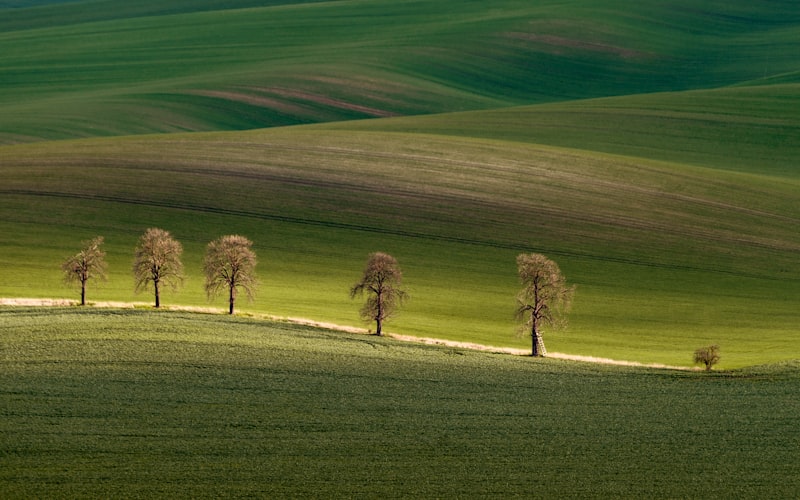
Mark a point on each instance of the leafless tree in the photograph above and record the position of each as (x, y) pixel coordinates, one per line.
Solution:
(89, 263)
(158, 261)
(230, 263)
(381, 280)
(708, 356)
(544, 298)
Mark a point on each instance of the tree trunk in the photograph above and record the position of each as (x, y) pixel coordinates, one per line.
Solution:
(232, 299)
(83, 293)
(158, 294)
(379, 316)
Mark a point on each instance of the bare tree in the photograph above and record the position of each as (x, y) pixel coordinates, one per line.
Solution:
(544, 298)
(158, 261)
(89, 263)
(381, 280)
(708, 356)
(230, 263)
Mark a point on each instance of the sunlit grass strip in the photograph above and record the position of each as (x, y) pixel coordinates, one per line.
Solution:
(663, 254)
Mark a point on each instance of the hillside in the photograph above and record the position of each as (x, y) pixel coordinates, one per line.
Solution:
(109, 67)
(753, 129)
(665, 255)
(650, 149)
(161, 404)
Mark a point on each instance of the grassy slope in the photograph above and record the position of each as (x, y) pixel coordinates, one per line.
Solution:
(110, 67)
(666, 256)
(753, 128)
(667, 253)
(690, 238)
(28, 14)
(137, 403)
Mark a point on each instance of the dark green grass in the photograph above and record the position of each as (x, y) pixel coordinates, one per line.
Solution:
(753, 129)
(137, 403)
(31, 14)
(89, 68)
(666, 257)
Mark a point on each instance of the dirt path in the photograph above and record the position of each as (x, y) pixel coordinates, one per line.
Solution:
(26, 302)
(526, 352)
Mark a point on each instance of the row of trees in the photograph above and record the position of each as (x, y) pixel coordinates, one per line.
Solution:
(230, 262)
(543, 301)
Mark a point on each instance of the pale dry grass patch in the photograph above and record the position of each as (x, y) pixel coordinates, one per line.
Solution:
(561, 45)
(280, 105)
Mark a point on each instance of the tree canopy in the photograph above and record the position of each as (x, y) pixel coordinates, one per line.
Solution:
(230, 263)
(381, 281)
(708, 356)
(89, 263)
(544, 299)
(157, 260)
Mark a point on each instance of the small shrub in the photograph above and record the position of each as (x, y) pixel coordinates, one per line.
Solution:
(708, 356)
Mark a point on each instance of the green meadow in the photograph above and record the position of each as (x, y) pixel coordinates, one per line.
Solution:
(666, 257)
(649, 148)
(134, 403)
(108, 67)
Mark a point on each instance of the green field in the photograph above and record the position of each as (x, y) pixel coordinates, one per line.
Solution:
(666, 256)
(650, 148)
(109, 67)
(133, 403)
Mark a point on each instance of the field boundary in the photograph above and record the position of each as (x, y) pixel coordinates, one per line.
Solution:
(52, 302)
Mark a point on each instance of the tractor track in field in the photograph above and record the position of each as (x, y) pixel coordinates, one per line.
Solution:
(39, 302)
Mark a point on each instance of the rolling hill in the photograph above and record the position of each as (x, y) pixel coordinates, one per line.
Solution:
(650, 149)
(165, 404)
(108, 67)
(664, 254)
